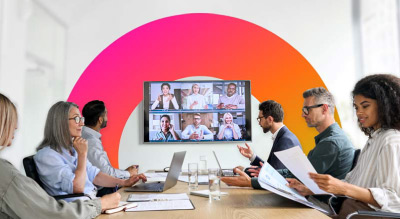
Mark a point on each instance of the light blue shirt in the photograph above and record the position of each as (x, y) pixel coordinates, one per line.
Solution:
(57, 172)
(228, 133)
(190, 129)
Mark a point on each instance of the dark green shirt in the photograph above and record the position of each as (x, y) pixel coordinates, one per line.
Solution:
(333, 154)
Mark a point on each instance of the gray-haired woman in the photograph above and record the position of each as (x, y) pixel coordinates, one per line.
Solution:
(22, 197)
(62, 161)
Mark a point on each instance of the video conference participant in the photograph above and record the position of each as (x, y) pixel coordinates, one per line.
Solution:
(22, 197)
(95, 114)
(374, 183)
(229, 130)
(165, 100)
(61, 159)
(197, 131)
(270, 118)
(167, 132)
(196, 100)
(231, 100)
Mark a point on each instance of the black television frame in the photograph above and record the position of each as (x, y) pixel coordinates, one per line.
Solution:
(147, 111)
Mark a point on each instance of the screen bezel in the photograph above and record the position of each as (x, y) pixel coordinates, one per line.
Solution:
(146, 109)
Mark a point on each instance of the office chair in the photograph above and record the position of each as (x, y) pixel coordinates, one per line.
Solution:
(31, 171)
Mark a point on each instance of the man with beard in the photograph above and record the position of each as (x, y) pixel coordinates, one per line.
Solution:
(95, 114)
(270, 118)
(231, 100)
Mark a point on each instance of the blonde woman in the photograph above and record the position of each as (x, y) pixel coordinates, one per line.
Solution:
(229, 130)
(196, 100)
(22, 197)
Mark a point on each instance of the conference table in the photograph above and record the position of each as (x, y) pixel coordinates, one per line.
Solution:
(240, 203)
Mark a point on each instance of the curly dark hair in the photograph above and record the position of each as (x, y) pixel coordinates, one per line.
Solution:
(385, 89)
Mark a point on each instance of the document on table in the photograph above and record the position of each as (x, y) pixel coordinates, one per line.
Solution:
(161, 202)
(272, 181)
(156, 197)
(295, 160)
(156, 177)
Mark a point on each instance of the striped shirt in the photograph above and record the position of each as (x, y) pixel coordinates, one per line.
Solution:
(378, 169)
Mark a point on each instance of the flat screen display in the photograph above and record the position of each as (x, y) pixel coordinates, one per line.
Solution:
(197, 111)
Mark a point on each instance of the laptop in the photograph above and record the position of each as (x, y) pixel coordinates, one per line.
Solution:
(224, 172)
(172, 177)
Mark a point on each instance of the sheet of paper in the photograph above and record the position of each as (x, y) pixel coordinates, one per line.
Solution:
(157, 197)
(201, 178)
(295, 160)
(156, 177)
(269, 176)
(263, 180)
(163, 205)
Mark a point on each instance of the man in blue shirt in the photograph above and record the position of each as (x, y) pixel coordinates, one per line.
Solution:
(197, 131)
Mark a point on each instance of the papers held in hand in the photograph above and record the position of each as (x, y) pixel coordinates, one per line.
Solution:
(123, 206)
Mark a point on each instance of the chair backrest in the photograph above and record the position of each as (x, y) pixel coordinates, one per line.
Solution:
(356, 155)
(30, 169)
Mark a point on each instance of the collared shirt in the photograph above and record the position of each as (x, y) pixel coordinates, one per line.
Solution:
(190, 129)
(98, 157)
(201, 101)
(22, 197)
(252, 158)
(160, 136)
(234, 100)
(57, 172)
(333, 153)
(228, 133)
(378, 169)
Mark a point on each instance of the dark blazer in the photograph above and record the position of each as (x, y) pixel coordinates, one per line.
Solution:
(284, 140)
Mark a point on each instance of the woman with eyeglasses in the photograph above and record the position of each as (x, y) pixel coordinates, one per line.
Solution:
(22, 197)
(374, 183)
(62, 161)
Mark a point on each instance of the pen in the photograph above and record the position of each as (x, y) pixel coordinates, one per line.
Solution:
(116, 188)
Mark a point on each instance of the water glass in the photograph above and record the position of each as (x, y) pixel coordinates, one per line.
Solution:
(214, 176)
(193, 176)
(203, 165)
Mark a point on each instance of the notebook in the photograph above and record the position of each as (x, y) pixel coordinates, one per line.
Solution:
(171, 180)
(224, 172)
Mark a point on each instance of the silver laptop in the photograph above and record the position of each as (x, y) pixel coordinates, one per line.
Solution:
(224, 172)
(172, 177)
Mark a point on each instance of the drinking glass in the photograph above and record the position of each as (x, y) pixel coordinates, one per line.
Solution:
(193, 176)
(214, 186)
(203, 165)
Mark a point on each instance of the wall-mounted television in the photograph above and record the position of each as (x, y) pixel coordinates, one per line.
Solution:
(197, 111)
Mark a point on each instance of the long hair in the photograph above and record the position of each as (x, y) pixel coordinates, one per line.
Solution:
(385, 89)
(56, 130)
(8, 120)
(228, 114)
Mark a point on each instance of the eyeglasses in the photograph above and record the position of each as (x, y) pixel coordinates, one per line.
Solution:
(259, 118)
(78, 119)
(306, 109)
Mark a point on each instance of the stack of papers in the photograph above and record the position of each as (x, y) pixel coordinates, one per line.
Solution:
(160, 202)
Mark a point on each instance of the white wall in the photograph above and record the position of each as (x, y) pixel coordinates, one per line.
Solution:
(320, 30)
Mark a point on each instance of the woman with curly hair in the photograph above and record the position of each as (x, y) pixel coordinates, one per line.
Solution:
(374, 183)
